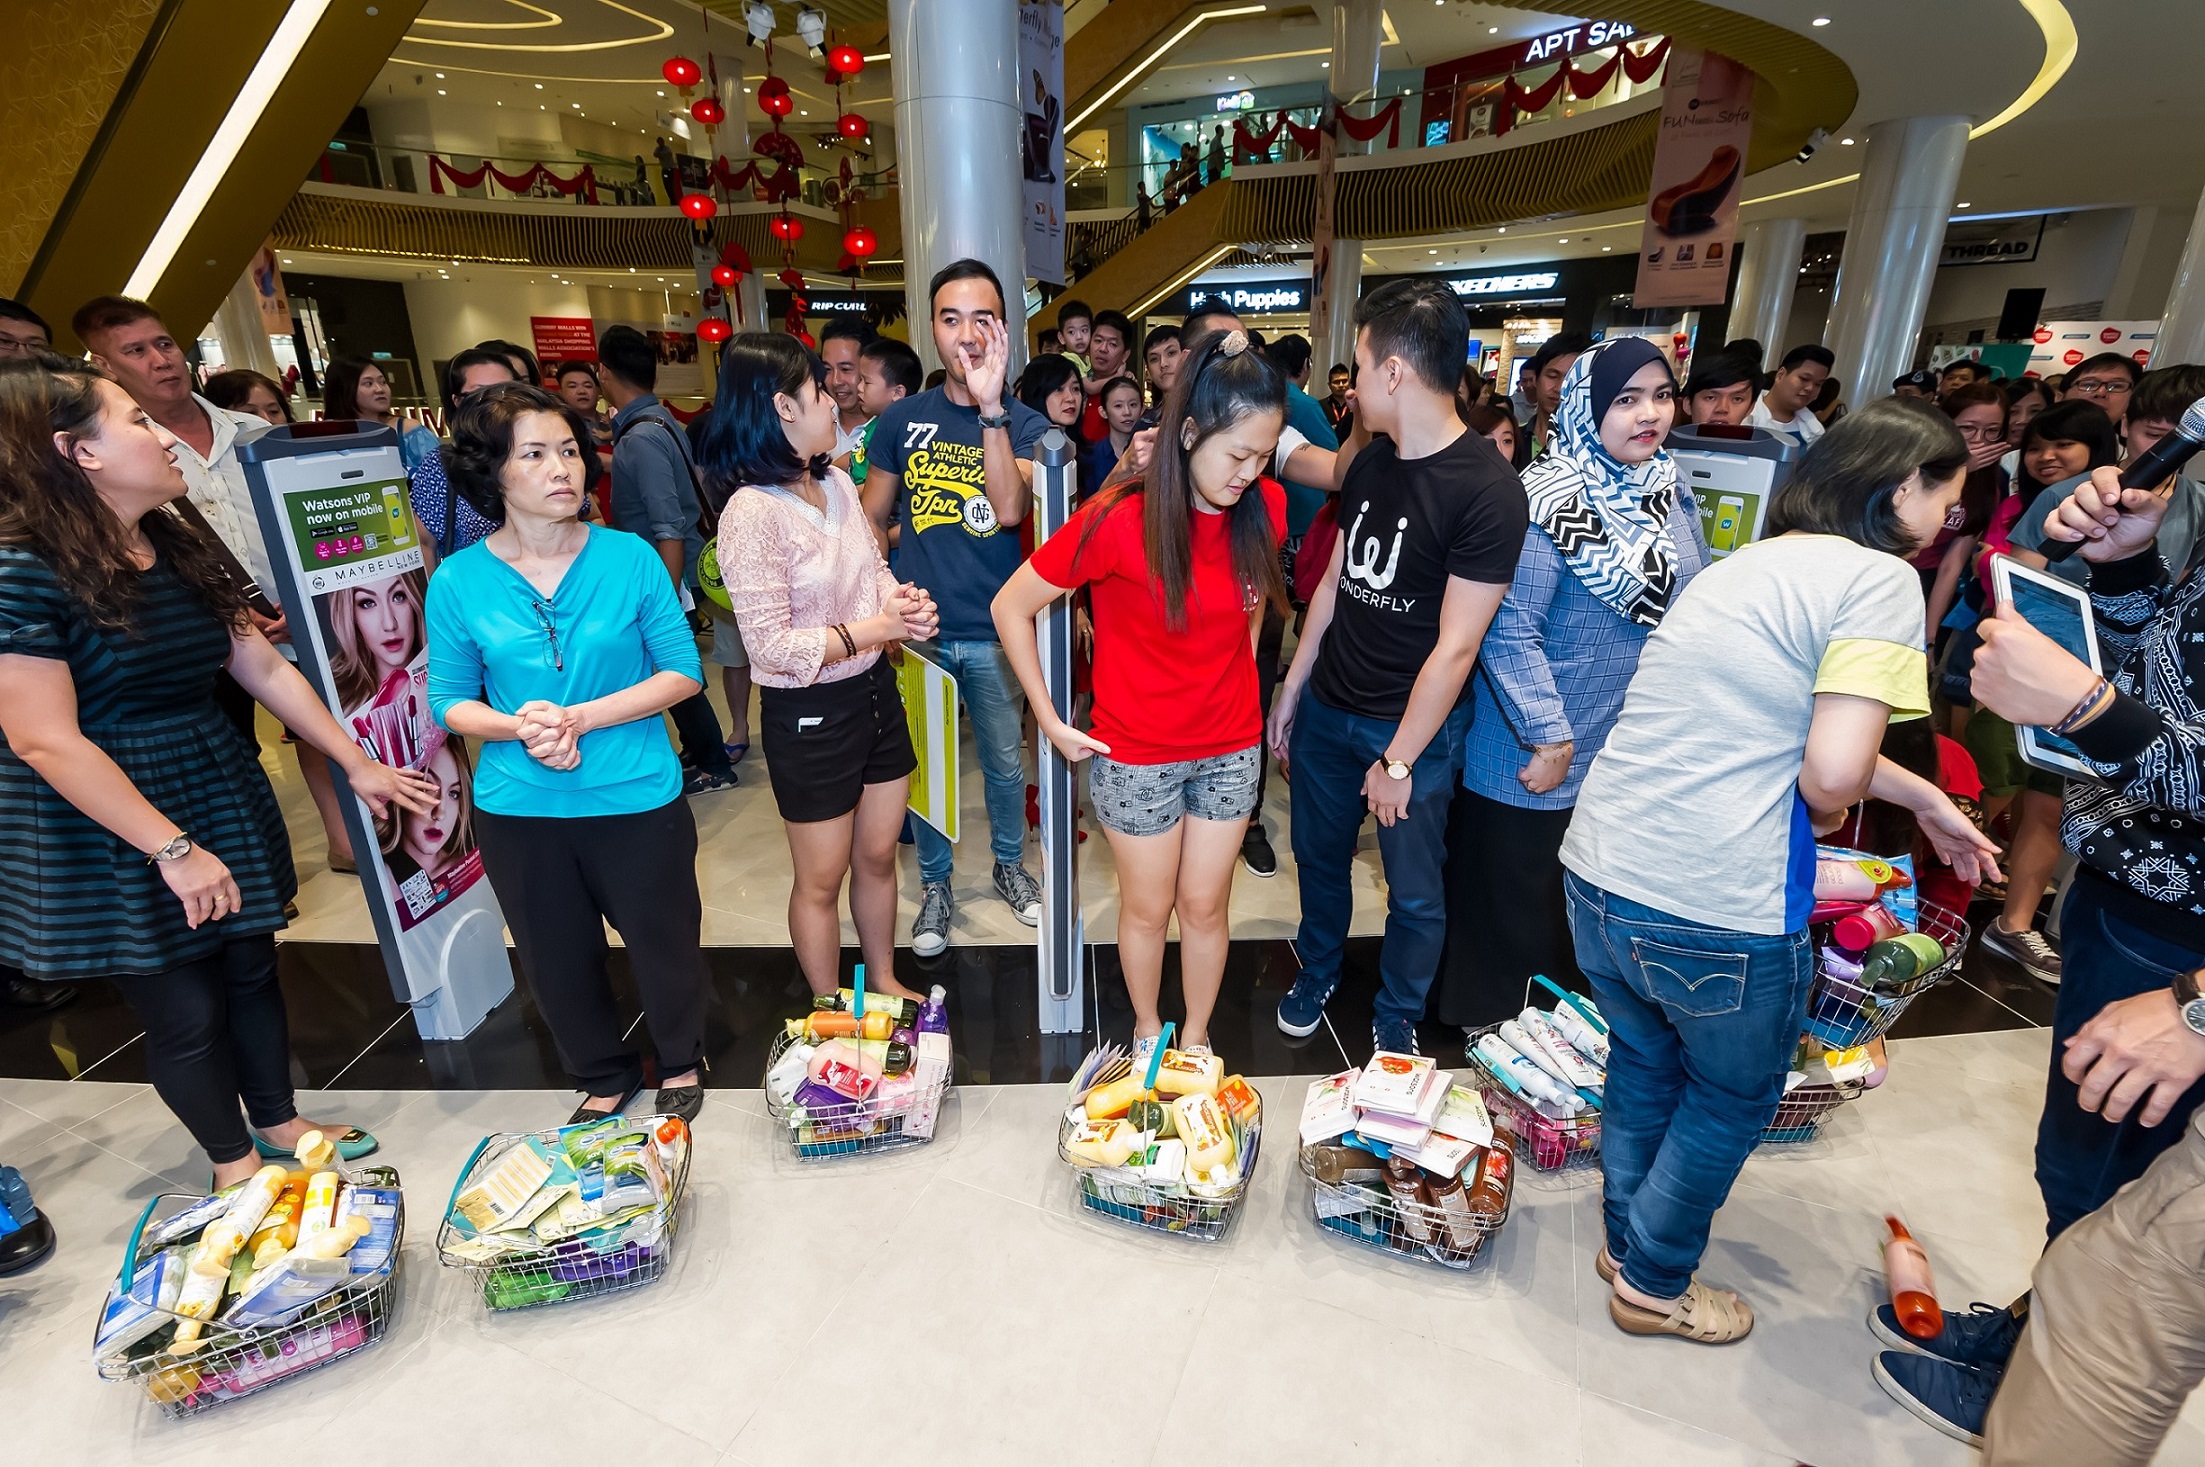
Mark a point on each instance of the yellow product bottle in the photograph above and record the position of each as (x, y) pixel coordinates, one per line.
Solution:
(279, 1230)
(336, 1240)
(877, 1024)
(1182, 1073)
(1202, 1126)
(1103, 1143)
(319, 1210)
(1108, 1102)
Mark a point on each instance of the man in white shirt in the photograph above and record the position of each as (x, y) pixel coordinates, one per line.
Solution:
(1786, 408)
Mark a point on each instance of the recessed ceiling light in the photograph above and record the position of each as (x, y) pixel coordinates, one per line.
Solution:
(1322, 65)
(577, 106)
(1822, 20)
(746, 92)
(539, 86)
(1564, 240)
(1845, 142)
(662, 91)
(1605, 248)
(802, 113)
(1431, 252)
(440, 91)
(1492, 30)
(1502, 230)
(1963, 206)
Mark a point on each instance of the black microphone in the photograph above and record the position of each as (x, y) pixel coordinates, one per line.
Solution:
(2165, 457)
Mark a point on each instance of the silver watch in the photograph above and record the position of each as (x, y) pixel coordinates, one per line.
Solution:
(2189, 999)
(175, 850)
(2193, 1014)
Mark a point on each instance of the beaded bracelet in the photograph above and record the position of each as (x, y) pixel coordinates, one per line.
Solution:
(849, 645)
(2093, 703)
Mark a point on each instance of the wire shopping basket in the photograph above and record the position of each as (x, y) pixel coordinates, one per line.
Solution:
(860, 1127)
(1843, 1012)
(229, 1363)
(1550, 1143)
(591, 1263)
(1182, 1210)
(1803, 1110)
(1367, 1213)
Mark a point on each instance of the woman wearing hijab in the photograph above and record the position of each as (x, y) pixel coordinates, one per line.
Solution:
(1612, 541)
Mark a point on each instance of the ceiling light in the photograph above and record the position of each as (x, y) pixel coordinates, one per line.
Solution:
(1845, 142)
(539, 86)
(1822, 20)
(440, 91)
(1431, 252)
(662, 91)
(1502, 230)
(1963, 206)
(577, 105)
(1605, 248)
(440, 76)
(1323, 65)
(1565, 239)
(1492, 30)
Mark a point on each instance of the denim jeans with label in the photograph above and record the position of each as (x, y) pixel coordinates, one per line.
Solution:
(988, 692)
(2082, 1159)
(1703, 1024)
(1328, 755)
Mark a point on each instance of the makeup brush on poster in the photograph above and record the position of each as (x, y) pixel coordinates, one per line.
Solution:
(2157, 465)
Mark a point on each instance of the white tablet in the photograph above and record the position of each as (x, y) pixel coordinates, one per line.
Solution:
(2061, 610)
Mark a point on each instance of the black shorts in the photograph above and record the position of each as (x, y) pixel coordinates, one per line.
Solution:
(825, 743)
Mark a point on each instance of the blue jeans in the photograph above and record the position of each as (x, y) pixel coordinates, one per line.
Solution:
(1327, 757)
(985, 687)
(1703, 1024)
(2082, 1160)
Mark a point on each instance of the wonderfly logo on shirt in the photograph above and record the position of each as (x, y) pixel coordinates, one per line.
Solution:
(1370, 564)
(947, 483)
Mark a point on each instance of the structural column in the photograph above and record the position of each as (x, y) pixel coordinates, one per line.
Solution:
(1900, 208)
(2182, 324)
(1768, 272)
(1358, 30)
(954, 64)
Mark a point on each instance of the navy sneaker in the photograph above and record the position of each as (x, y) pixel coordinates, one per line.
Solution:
(1984, 1336)
(1395, 1035)
(1952, 1398)
(1303, 1008)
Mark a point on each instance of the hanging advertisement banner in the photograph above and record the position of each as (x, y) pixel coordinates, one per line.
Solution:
(1689, 237)
(1320, 232)
(268, 291)
(348, 564)
(2061, 346)
(1041, 140)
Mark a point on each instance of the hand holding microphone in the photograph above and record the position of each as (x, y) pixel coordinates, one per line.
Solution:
(2114, 506)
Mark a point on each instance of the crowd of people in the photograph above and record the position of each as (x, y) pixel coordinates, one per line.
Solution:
(1592, 748)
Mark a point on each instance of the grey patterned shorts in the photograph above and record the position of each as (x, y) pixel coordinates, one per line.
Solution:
(1148, 799)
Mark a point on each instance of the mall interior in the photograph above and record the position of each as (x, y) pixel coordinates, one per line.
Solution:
(1662, 333)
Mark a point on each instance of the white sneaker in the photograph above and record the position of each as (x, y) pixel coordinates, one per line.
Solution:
(930, 929)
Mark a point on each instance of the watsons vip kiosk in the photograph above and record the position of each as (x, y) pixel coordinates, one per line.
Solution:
(1732, 472)
(334, 507)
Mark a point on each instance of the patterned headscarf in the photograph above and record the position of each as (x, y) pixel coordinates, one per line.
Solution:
(1609, 521)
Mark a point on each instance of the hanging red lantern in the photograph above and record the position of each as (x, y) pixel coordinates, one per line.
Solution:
(774, 99)
(786, 226)
(725, 276)
(848, 60)
(682, 72)
(714, 329)
(735, 257)
(699, 207)
(852, 126)
(708, 111)
(793, 279)
(861, 242)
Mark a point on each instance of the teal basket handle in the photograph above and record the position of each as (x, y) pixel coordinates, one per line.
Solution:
(130, 1249)
(1562, 994)
(466, 1170)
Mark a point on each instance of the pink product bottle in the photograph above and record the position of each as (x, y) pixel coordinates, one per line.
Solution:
(1871, 924)
(844, 1068)
(934, 1015)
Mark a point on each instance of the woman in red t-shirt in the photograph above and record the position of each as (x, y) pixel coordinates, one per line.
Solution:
(1180, 566)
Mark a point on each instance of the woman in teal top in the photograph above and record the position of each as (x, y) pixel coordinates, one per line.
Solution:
(558, 645)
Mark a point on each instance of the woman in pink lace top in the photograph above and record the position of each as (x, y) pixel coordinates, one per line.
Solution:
(817, 605)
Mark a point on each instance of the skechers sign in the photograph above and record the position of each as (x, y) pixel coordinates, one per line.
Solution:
(1505, 284)
(1268, 299)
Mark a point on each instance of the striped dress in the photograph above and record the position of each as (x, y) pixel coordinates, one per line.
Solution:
(75, 900)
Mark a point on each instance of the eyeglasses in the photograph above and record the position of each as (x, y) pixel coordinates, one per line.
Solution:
(1982, 433)
(2099, 386)
(551, 635)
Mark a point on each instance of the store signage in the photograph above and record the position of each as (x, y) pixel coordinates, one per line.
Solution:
(819, 304)
(1505, 284)
(1699, 165)
(1236, 102)
(563, 339)
(1992, 241)
(1590, 36)
(2059, 345)
(1270, 298)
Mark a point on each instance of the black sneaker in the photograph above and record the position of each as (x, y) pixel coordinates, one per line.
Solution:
(2029, 949)
(1952, 1398)
(1397, 1036)
(1256, 853)
(1983, 1336)
(704, 783)
(1303, 1008)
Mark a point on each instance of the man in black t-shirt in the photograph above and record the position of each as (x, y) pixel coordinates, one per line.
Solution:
(1372, 716)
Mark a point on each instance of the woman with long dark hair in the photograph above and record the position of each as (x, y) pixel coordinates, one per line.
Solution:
(1757, 712)
(1051, 386)
(557, 645)
(1181, 565)
(358, 388)
(145, 844)
(817, 605)
(242, 390)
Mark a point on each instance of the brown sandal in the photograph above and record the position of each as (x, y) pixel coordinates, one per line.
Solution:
(1703, 1315)
(1604, 1264)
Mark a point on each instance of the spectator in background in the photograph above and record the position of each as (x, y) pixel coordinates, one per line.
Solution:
(1525, 399)
(1786, 409)
(1075, 330)
(1550, 367)
(1337, 411)
(669, 170)
(1492, 422)
(1121, 409)
(23, 332)
(2106, 379)
(1958, 374)
(1109, 350)
(578, 389)
(1216, 170)
(1720, 389)
(1978, 410)
(357, 388)
(2025, 398)
(255, 394)
(654, 494)
(1160, 353)
(888, 372)
(841, 341)
(449, 523)
(525, 366)
(1919, 384)
(1051, 386)
(1827, 408)
(1745, 348)
(2162, 396)
(1048, 341)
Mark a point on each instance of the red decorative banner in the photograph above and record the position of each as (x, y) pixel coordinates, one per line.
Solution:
(583, 183)
(1254, 147)
(563, 339)
(1685, 249)
(1515, 97)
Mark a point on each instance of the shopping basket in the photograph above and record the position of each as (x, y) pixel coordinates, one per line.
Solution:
(1800, 1115)
(1549, 1143)
(633, 1254)
(1367, 1213)
(1183, 1210)
(1843, 1012)
(232, 1363)
(860, 1128)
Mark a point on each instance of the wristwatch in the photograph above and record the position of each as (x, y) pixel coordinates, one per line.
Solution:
(1395, 768)
(999, 420)
(2190, 1001)
(175, 850)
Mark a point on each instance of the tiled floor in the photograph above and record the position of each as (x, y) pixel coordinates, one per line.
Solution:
(949, 1305)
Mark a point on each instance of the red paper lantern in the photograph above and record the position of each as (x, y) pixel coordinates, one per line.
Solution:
(714, 329)
(861, 242)
(786, 226)
(793, 279)
(725, 276)
(708, 111)
(682, 72)
(848, 60)
(774, 99)
(699, 207)
(852, 126)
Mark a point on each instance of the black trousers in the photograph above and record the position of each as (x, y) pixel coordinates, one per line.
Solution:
(699, 726)
(560, 881)
(1268, 642)
(1506, 915)
(215, 1034)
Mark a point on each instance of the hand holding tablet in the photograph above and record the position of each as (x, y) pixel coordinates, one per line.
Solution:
(2039, 658)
